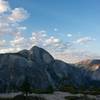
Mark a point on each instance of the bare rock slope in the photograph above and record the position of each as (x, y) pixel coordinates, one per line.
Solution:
(41, 70)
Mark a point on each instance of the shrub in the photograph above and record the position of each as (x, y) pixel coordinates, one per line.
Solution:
(49, 89)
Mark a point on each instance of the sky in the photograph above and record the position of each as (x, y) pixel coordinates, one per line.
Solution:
(68, 29)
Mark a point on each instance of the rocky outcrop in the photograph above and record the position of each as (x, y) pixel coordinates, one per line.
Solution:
(42, 71)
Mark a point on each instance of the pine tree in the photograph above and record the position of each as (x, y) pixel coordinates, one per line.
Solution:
(25, 87)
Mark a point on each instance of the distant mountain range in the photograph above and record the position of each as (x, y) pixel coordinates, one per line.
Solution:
(43, 71)
(90, 62)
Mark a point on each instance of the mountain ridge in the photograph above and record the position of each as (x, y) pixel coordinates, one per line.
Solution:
(42, 71)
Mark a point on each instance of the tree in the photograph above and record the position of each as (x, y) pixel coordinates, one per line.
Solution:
(25, 87)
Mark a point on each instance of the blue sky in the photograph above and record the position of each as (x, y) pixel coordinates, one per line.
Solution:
(73, 24)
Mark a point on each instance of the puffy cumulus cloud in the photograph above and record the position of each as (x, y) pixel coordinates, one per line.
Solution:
(2, 42)
(84, 40)
(69, 35)
(50, 43)
(56, 29)
(18, 41)
(4, 6)
(18, 14)
(10, 18)
(10, 24)
(52, 40)
(58, 48)
(38, 38)
(65, 51)
(7, 50)
(41, 39)
(15, 45)
(6, 27)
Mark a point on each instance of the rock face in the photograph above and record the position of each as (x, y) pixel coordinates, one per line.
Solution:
(93, 66)
(42, 71)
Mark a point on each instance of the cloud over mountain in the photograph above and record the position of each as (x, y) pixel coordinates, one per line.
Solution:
(4, 6)
(10, 18)
(11, 26)
(84, 40)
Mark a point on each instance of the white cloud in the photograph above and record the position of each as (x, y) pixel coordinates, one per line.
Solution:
(4, 6)
(2, 42)
(3, 50)
(75, 55)
(18, 14)
(40, 39)
(17, 41)
(54, 45)
(10, 24)
(52, 41)
(7, 27)
(84, 40)
(22, 28)
(55, 29)
(69, 35)
(43, 40)
(10, 18)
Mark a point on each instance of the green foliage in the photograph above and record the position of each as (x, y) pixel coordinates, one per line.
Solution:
(25, 87)
(94, 90)
(48, 90)
(90, 90)
(81, 89)
(6, 99)
(12, 87)
(68, 88)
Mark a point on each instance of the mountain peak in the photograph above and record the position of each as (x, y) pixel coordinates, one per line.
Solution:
(35, 47)
(43, 70)
(40, 55)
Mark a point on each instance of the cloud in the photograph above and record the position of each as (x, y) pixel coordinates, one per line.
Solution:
(69, 35)
(74, 56)
(2, 42)
(43, 40)
(10, 19)
(52, 40)
(6, 50)
(4, 6)
(18, 41)
(56, 29)
(59, 49)
(18, 14)
(10, 24)
(84, 40)
(7, 27)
